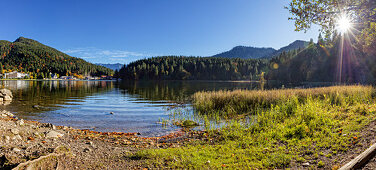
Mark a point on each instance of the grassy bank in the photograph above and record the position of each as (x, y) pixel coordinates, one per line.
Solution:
(291, 128)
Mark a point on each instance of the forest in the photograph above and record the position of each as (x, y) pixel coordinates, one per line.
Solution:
(29, 56)
(193, 68)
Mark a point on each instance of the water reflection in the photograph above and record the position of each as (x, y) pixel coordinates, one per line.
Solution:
(179, 91)
(42, 96)
(87, 104)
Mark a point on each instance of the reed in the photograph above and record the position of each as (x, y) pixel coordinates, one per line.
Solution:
(249, 101)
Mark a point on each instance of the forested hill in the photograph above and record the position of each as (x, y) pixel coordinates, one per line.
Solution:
(255, 53)
(293, 46)
(30, 56)
(194, 68)
(320, 63)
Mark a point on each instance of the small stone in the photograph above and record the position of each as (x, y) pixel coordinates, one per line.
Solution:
(36, 133)
(16, 150)
(21, 122)
(7, 138)
(305, 164)
(17, 137)
(53, 134)
(53, 127)
(90, 143)
(10, 114)
(65, 127)
(208, 162)
(87, 150)
(112, 113)
(15, 131)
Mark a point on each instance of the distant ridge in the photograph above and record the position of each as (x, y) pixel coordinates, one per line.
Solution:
(116, 66)
(245, 52)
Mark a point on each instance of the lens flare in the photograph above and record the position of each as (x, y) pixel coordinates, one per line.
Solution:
(343, 24)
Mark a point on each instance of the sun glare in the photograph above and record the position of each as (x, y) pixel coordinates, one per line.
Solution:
(343, 24)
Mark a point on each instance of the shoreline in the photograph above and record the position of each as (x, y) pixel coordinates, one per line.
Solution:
(25, 140)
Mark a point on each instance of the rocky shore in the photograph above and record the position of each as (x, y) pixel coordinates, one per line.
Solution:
(30, 144)
(33, 145)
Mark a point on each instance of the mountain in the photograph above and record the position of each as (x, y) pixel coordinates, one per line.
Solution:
(30, 56)
(247, 52)
(255, 52)
(116, 66)
(293, 46)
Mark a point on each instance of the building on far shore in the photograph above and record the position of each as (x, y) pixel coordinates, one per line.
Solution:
(67, 78)
(54, 76)
(15, 75)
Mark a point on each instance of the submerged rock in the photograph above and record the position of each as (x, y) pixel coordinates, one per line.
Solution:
(187, 124)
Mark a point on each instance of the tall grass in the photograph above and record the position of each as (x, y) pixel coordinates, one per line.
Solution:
(244, 101)
(298, 126)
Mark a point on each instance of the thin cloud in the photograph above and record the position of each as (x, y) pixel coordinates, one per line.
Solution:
(104, 56)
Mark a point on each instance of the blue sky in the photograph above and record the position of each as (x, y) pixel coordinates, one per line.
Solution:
(126, 30)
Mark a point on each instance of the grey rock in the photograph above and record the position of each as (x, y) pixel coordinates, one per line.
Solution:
(15, 131)
(53, 134)
(16, 150)
(21, 122)
(91, 144)
(6, 92)
(7, 98)
(305, 164)
(17, 137)
(10, 114)
(87, 150)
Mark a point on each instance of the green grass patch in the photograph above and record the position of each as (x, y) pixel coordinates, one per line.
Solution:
(298, 127)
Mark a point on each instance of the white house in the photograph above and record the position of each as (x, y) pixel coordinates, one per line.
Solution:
(15, 75)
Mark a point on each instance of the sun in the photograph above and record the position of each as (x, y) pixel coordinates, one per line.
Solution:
(343, 24)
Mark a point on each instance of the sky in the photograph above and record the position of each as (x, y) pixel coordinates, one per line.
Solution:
(121, 31)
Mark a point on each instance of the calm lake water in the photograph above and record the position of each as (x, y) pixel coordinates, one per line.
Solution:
(137, 106)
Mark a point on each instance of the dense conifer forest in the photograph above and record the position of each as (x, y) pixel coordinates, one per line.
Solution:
(194, 68)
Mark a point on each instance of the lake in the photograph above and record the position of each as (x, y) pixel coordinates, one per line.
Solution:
(136, 106)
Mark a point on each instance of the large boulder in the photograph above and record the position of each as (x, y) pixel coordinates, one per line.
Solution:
(6, 94)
